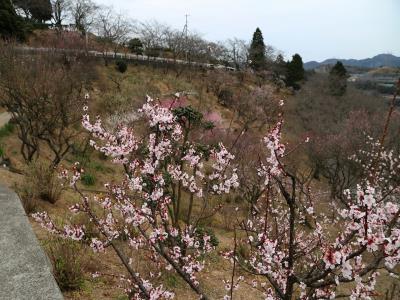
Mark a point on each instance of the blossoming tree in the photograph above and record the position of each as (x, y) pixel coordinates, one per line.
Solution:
(167, 168)
(359, 242)
(164, 170)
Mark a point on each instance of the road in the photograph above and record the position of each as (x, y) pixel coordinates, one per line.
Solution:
(129, 56)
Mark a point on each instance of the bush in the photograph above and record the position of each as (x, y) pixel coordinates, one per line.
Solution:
(88, 179)
(121, 66)
(40, 182)
(66, 258)
(135, 46)
(28, 199)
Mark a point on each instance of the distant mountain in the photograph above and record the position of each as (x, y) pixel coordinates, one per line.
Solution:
(381, 60)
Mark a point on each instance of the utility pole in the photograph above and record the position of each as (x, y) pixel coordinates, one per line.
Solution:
(185, 29)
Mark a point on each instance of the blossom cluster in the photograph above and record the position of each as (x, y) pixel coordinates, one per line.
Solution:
(275, 150)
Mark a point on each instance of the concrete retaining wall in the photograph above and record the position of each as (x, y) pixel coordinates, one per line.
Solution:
(25, 270)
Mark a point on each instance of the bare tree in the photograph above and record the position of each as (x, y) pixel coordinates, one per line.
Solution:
(113, 29)
(158, 38)
(174, 40)
(60, 11)
(44, 95)
(212, 52)
(238, 52)
(84, 14)
(152, 35)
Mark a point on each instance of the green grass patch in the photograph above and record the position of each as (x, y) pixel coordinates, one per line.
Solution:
(171, 281)
(88, 179)
(97, 166)
(6, 130)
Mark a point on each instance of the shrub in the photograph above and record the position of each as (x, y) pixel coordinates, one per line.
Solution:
(66, 258)
(88, 179)
(40, 182)
(135, 46)
(28, 198)
(121, 66)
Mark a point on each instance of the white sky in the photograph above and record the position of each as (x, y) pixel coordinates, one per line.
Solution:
(316, 29)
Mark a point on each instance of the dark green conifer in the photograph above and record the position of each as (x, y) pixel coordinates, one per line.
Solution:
(37, 11)
(295, 71)
(338, 79)
(257, 51)
(135, 46)
(11, 25)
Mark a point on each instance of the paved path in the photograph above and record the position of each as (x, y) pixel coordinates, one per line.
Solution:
(25, 271)
(4, 118)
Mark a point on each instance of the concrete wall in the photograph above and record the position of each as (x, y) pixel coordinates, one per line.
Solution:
(25, 271)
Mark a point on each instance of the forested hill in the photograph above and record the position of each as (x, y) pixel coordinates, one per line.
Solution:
(380, 60)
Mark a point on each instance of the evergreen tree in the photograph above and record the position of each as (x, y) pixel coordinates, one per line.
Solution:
(135, 46)
(11, 25)
(338, 79)
(36, 10)
(295, 71)
(41, 10)
(339, 69)
(257, 51)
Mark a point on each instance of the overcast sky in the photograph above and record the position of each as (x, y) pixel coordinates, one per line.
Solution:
(316, 29)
